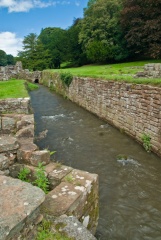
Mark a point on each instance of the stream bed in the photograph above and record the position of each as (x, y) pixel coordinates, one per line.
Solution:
(129, 188)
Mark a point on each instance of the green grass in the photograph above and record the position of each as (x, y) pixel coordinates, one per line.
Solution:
(31, 86)
(119, 72)
(13, 89)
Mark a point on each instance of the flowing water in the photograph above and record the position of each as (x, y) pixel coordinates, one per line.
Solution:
(130, 188)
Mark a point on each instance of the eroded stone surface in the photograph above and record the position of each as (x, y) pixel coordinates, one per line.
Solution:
(25, 151)
(26, 132)
(37, 157)
(8, 124)
(25, 121)
(63, 199)
(4, 162)
(57, 175)
(8, 143)
(19, 205)
(73, 228)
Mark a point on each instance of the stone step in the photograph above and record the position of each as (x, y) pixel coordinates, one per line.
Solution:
(19, 208)
(8, 143)
(77, 195)
(72, 228)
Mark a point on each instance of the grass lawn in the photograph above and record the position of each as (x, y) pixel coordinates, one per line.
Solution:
(119, 72)
(13, 89)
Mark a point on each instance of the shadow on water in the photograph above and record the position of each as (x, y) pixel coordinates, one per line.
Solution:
(130, 189)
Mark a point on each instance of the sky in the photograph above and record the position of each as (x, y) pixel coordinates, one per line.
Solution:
(18, 18)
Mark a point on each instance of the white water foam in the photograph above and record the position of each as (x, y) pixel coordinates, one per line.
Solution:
(54, 118)
(128, 161)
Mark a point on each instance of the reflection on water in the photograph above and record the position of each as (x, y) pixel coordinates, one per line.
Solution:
(130, 188)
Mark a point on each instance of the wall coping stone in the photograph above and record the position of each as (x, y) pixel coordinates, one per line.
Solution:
(18, 201)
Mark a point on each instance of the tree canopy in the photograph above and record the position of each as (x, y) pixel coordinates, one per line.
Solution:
(141, 22)
(110, 31)
(6, 59)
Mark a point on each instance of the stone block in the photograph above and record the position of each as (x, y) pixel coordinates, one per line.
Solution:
(50, 167)
(61, 200)
(19, 207)
(27, 132)
(4, 162)
(25, 121)
(8, 143)
(8, 124)
(25, 151)
(57, 175)
(37, 157)
(72, 228)
(86, 183)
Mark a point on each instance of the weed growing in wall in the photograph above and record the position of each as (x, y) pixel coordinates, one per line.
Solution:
(41, 179)
(146, 141)
(44, 232)
(66, 78)
(24, 174)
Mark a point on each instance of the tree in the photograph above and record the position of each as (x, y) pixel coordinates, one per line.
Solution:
(75, 54)
(10, 60)
(141, 23)
(101, 26)
(55, 41)
(3, 58)
(29, 48)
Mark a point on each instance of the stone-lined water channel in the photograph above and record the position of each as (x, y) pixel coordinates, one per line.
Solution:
(130, 190)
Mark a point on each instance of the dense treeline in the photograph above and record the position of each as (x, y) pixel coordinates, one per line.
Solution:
(110, 31)
(6, 59)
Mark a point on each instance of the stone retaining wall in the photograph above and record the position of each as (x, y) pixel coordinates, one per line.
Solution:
(133, 108)
(23, 206)
(15, 105)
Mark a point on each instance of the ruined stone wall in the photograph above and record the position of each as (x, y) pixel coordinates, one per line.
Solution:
(18, 72)
(78, 198)
(15, 105)
(153, 70)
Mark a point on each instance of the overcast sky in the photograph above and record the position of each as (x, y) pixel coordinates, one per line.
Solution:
(18, 18)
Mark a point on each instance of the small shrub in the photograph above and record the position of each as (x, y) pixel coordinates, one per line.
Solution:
(146, 141)
(66, 78)
(41, 179)
(24, 174)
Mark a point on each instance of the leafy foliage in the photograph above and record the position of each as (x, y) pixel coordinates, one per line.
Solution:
(41, 179)
(110, 31)
(3, 58)
(146, 141)
(24, 174)
(66, 78)
(45, 233)
(100, 33)
(141, 22)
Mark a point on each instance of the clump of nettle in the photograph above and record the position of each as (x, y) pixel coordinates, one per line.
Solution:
(40, 181)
